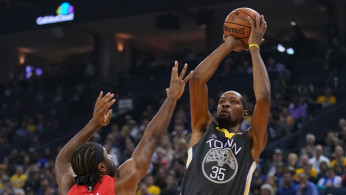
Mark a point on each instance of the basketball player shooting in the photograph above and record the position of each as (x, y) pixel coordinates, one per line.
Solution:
(86, 168)
(221, 159)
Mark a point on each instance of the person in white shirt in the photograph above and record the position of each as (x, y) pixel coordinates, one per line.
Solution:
(318, 158)
(330, 181)
(277, 160)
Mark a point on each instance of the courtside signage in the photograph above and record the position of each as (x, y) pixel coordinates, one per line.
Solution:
(65, 12)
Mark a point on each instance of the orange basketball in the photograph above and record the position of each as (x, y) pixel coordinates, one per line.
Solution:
(238, 25)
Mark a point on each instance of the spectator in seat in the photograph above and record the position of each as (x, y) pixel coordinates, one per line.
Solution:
(343, 133)
(339, 163)
(310, 141)
(287, 118)
(330, 181)
(267, 189)
(2, 175)
(343, 182)
(342, 123)
(318, 158)
(298, 109)
(323, 170)
(327, 99)
(292, 160)
(328, 146)
(171, 188)
(287, 187)
(18, 179)
(305, 187)
(7, 189)
(306, 168)
(277, 159)
(151, 187)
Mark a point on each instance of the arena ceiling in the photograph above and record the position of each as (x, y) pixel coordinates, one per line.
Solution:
(56, 42)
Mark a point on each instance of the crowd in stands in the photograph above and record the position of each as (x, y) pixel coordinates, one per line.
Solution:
(62, 94)
(315, 169)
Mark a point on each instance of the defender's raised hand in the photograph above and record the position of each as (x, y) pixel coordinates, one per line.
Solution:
(258, 28)
(102, 114)
(177, 84)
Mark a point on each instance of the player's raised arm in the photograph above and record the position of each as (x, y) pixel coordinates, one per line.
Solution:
(101, 117)
(133, 170)
(258, 132)
(200, 118)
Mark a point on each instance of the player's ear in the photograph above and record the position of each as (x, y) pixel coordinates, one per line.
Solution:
(102, 168)
(245, 113)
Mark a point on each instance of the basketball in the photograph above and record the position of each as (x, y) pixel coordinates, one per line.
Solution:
(238, 25)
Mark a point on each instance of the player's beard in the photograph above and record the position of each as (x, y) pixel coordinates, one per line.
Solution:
(224, 121)
(111, 171)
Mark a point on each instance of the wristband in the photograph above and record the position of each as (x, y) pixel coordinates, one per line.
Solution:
(254, 45)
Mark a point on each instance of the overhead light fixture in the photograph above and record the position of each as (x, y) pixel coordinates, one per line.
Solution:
(293, 23)
(281, 48)
(21, 58)
(120, 46)
(28, 72)
(123, 36)
(31, 71)
(290, 51)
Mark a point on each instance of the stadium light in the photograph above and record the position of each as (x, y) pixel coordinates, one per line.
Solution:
(281, 48)
(290, 51)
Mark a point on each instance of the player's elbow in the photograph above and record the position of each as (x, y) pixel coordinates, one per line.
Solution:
(196, 77)
(196, 80)
(263, 98)
(263, 91)
(59, 161)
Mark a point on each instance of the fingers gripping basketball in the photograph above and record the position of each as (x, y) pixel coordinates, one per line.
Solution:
(238, 25)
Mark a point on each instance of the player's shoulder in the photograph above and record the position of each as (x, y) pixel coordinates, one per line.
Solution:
(107, 178)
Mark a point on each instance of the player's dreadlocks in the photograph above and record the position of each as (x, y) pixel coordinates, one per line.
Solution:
(84, 163)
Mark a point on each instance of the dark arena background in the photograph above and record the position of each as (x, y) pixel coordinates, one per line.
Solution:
(56, 56)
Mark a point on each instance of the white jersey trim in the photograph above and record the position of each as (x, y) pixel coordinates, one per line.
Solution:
(189, 157)
(249, 178)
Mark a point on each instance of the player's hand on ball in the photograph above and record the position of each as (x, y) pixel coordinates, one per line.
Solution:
(258, 28)
(235, 44)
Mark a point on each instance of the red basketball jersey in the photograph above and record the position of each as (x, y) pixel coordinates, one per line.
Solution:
(104, 187)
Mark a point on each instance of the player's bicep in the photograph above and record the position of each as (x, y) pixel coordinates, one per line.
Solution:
(198, 105)
(137, 166)
(258, 132)
(126, 177)
(134, 169)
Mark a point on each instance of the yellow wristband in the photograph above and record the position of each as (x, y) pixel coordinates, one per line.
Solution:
(254, 45)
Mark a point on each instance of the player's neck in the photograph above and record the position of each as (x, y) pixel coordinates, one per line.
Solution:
(232, 127)
(235, 129)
